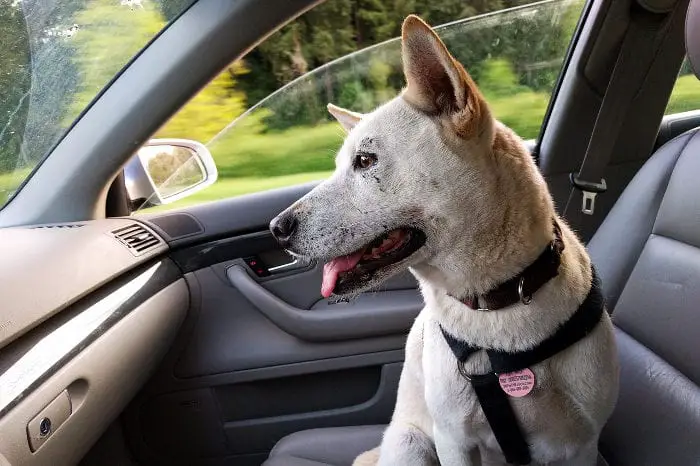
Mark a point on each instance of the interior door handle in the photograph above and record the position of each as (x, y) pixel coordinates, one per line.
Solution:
(275, 262)
(296, 263)
(384, 313)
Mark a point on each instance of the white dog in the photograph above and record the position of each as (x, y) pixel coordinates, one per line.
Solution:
(513, 359)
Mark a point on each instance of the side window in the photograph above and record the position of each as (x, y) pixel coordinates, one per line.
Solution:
(264, 119)
(686, 92)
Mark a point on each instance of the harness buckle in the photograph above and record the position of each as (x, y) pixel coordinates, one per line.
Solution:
(589, 190)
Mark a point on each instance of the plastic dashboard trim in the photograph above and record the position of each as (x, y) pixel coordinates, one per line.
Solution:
(150, 278)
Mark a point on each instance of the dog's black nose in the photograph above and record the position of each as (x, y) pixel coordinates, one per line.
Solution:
(283, 227)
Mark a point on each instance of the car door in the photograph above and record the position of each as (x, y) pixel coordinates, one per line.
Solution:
(261, 354)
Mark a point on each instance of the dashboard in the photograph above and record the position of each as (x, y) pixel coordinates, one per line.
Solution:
(106, 285)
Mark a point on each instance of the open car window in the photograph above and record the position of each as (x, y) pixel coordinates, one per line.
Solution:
(287, 137)
(56, 57)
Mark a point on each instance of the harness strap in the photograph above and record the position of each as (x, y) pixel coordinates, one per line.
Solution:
(499, 414)
(579, 325)
(493, 400)
(495, 404)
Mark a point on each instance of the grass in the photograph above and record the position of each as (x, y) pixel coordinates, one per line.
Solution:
(244, 153)
(522, 112)
(230, 187)
(301, 149)
(685, 95)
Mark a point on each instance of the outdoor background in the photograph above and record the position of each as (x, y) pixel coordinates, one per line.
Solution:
(289, 138)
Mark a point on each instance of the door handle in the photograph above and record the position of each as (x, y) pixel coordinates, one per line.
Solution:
(296, 263)
(369, 315)
(275, 262)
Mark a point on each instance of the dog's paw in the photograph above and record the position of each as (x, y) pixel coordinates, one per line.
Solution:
(368, 458)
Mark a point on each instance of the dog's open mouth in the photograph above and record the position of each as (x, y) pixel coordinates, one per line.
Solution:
(345, 274)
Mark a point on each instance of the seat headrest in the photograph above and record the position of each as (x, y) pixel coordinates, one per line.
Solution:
(692, 35)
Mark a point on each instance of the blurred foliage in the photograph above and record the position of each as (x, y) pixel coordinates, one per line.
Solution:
(15, 81)
(529, 43)
(207, 113)
(109, 36)
(164, 165)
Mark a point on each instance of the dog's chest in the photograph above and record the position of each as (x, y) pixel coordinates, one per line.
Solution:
(449, 395)
(450, 398)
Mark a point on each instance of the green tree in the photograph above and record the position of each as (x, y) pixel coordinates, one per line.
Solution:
(110, 34)
(337, 27)
(15, 82)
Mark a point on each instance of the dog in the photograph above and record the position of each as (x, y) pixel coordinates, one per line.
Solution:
(431, 182)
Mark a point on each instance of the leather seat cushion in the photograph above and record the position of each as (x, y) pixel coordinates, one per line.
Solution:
(337, 446)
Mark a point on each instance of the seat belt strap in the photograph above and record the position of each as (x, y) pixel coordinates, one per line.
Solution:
(636, 55)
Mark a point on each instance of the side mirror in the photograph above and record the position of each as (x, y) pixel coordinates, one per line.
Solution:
(167, 170)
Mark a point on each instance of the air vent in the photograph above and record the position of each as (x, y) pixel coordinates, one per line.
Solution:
(60, 226)
(136, 238)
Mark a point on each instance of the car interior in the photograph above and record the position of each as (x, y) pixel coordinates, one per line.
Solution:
(189, 337)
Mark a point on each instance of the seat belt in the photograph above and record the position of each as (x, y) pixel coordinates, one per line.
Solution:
(633, 62)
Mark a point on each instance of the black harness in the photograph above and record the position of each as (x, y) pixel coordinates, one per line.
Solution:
(493, 399)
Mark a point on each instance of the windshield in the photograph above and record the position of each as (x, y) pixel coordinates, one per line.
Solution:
(56, 56)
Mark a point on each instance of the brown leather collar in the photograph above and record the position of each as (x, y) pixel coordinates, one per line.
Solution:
(521, 287)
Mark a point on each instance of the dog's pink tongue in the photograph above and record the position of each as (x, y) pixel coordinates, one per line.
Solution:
(334, 268)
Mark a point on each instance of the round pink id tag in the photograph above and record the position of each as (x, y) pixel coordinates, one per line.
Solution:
(518, 383)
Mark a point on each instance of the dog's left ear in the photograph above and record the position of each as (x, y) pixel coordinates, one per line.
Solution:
(347, 119)
(437, 83)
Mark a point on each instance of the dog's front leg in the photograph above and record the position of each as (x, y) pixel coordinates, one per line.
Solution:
(408, 439)
(451, 451)
(405, 444)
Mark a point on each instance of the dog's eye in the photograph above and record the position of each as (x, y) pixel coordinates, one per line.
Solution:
(364, 160)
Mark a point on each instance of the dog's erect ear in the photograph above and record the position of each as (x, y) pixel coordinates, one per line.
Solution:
(346, 118)
(437, 83)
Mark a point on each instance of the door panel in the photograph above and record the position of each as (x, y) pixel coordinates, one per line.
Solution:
(261, 356)
(231, 334)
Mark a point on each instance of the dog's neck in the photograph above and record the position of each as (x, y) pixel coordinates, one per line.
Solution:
(516, 327)
(473, 269)
(502, 233)
(521, 287)
(475, 263)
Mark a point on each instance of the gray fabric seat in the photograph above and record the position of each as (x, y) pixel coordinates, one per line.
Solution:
(648, 255)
